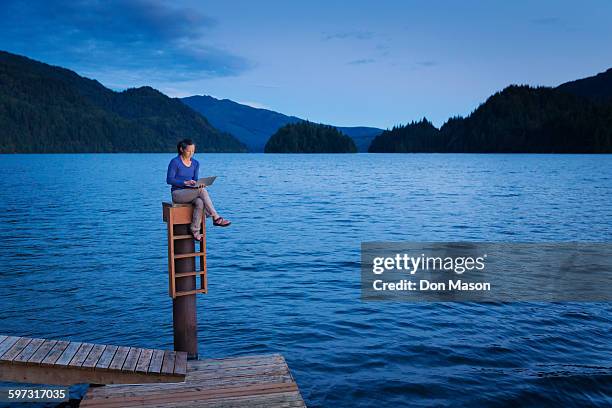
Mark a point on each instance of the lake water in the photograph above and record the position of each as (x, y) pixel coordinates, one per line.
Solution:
(83, 257)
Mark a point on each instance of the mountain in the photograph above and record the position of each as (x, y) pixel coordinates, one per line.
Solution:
(254, 126)
(519, 119)
(308, 137)
(597, 88)
(523, 119)
(49, 109)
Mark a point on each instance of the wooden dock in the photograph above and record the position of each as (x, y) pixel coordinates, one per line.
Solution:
(249, 381)
(43, 361)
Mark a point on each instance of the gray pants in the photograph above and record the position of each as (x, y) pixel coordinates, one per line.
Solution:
(200, 199)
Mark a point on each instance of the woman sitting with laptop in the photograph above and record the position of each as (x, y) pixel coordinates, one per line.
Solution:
(182, 176)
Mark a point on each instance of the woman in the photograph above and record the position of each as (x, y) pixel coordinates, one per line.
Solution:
(182, 176)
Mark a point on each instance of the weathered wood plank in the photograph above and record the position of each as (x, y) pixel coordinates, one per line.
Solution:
(142, 366)
(81, 355)
(190, 395)
(197, 371)
(7, 344)
(67, 355)
(106, 358)
(42, 352)
(2, 338)
(246, 361)
(64, 375)
(55, 353)
(156, 361)
(16, 349)
(94, 355)
(168, 365)
(131, 359)
(278, 400)
(119, 358)
(189, 384)
(180, 363)
(29, 351)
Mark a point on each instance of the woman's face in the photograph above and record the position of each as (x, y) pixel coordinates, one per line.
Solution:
(189, 151)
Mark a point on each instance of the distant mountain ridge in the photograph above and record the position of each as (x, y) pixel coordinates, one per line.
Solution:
(254, 126)
(49, 109)
(597, 88)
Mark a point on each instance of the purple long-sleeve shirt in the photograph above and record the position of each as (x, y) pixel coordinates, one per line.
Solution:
(178, 173)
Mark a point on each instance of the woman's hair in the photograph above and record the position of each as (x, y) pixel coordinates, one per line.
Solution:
(182, 145)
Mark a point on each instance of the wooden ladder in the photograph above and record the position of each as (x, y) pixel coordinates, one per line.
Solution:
(178, 214)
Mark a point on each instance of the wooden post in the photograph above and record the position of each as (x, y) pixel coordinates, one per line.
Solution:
(182, 275)
(184, 313)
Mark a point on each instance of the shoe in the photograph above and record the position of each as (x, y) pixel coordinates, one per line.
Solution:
(221, 222)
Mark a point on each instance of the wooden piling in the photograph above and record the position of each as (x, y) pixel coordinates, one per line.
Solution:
(182, 275)
(184, 313)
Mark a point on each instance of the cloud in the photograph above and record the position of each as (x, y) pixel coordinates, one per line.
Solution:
(354, 35)
(146, 38)
(427, 64)
(362, 61)
(546, 20)
(254, 105)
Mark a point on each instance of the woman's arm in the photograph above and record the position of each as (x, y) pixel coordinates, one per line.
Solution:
(196, 170)
(171, 175)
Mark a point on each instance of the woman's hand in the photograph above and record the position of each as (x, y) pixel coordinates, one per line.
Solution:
(190, 182)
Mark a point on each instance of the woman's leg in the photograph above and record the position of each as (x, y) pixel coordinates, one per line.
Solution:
(208, 205)
(190, 196)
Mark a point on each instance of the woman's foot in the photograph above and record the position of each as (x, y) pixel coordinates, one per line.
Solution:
(196, 235)
(221, 222)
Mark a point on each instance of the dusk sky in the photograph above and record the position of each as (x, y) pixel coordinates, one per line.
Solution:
(369, 63)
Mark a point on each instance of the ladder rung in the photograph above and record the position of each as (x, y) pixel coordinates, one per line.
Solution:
(184, 274)
(182, 237)
(190, 292)
(189, 255)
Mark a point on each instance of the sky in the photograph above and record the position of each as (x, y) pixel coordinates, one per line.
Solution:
(345, 63)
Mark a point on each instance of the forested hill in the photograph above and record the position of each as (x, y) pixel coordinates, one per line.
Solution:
(48, 109)
(308, 137)
(597, 88)
(519, 119)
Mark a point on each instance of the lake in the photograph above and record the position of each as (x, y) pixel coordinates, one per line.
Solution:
(83, 257)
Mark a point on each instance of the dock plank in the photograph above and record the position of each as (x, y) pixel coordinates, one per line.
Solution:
(16, 349)
(131, 359)
(42, 352)
(7, 344)
(106, 357)
(156, 361)
(142, 366)
(168, 365)
(119, 358)
(68, 353)
(28, 351)
(81, 355)
(55, 353)
(94, 355)
(180, 363)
